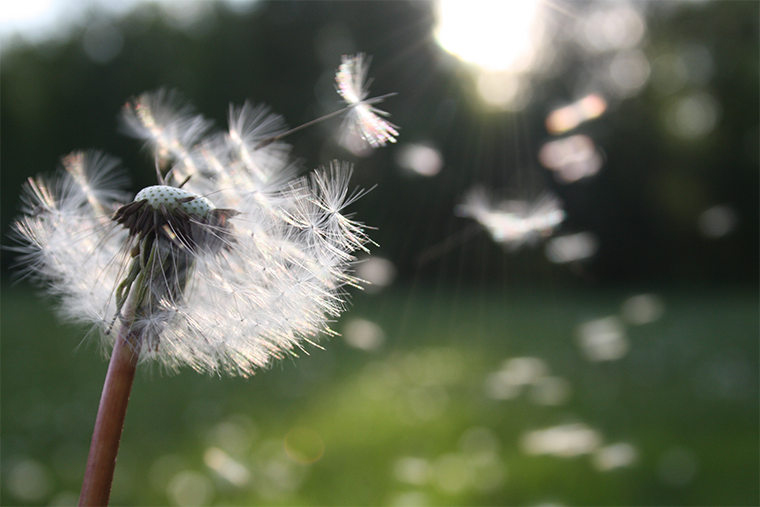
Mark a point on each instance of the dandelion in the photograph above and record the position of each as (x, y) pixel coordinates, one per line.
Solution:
(221, 281)
(363, 117)
(513, 223)
(227, 264)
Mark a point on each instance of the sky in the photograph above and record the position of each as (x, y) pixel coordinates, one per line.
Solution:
(40, 20)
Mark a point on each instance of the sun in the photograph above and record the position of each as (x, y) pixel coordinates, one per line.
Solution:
(495, 35)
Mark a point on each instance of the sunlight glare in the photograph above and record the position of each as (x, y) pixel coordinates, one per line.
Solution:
(33, 16)
(20, 12)
(494, 35)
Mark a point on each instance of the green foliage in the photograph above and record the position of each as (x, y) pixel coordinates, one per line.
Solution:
(412, 421)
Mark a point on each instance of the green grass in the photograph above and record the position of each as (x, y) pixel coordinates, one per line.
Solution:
(409, 423)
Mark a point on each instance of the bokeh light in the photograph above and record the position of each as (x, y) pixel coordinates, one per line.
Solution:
(642, 309)
(226, 467)
(629, 72)
(603, 339)
(29, 481)
(189, 488)
(693, 116)
(568, 117)
(234, 435)
(410, 499)
(550, 391)
(411, 470)
(363, 334)
(278, 474)
(377, 271)
(572, 247)
(520, 373)
(102, 42)
(571, 158)
(304, 445)
(615, 456)
(717, 221)
(690, 65)
(420, 159)
(564, 441)
(503, 89)
(612, 26)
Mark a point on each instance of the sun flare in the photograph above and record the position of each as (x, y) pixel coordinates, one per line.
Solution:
(492, 34)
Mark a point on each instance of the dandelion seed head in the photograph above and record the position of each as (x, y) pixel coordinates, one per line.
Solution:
(229, 263)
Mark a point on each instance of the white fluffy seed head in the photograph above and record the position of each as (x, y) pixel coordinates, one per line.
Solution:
(225, 297)
(172, 198)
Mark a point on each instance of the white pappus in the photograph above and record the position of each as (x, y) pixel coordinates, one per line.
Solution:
(513, 223)
(230, 262)
(363, 118)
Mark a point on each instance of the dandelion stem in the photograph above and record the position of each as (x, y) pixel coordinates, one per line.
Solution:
(98, 476)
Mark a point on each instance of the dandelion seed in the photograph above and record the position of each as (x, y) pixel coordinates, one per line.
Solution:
(166, 123)
(363, 118)
(513, 223)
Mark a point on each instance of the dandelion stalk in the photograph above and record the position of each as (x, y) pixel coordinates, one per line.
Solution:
(98, 476)
(112, 411)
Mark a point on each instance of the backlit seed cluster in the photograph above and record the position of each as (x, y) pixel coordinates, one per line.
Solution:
(230, 262)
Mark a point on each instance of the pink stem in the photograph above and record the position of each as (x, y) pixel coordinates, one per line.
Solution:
(98, 476)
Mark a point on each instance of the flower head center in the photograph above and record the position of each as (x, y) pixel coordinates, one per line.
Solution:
(170, 214)
(172, 198)
(168, 228)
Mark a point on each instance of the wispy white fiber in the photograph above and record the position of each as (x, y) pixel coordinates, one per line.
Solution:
(513, 223)
(231, 285)
(363, 118)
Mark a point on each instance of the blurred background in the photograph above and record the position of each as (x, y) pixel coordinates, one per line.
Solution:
(564, 299)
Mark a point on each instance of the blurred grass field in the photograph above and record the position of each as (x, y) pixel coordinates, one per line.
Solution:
(416, 416)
